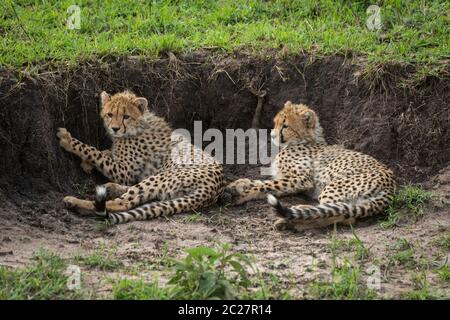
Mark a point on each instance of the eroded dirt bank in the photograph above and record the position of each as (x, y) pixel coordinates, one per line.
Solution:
(405, 127)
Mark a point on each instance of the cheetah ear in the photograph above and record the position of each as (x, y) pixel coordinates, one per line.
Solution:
(142, 104)
(309, 119)
(287, 103)
(104, 98)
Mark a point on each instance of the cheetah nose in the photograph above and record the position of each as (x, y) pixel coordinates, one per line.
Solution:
(115, 129)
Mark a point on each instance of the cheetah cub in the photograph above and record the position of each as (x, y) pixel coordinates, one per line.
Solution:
(347, 184)
(154, 172)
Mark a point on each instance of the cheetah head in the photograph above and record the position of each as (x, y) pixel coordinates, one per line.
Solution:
(296, 123)
(123, 114)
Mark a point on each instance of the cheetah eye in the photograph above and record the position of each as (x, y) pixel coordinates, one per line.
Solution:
(109, 114)
(125, 116)
(285, 126)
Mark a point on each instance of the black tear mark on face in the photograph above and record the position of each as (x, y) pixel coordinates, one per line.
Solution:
(283, 127)
(124, 126)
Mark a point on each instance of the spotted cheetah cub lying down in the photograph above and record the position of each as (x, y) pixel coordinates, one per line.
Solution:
(153, 171)
(347, 184)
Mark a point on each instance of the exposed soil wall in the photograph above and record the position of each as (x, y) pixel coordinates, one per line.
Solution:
(406, 128)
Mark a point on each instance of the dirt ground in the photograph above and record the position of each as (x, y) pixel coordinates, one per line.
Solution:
(296, 258)
(408, 129)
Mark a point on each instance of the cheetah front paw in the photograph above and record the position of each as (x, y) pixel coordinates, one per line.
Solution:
(87, 167)
(83, 207)
(70, 201)
(228, 196)
(115, 190)
(64, 138)
(282, 225)
(235, 190)
(239, 186)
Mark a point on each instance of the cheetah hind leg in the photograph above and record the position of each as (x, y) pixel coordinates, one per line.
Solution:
(88, 207)
(301, 225)
(115, 190)
(286, 224)
(83, 207)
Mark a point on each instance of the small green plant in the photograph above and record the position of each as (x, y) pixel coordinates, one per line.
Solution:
(408, 201)
(422, 288)
(444, 272)
(337, 245)
(207, 273)
(162, 259)
(345, 283)
(355, 243)
(127, 289)
(269, 287)
(404, 253)
(100, 260)
(444, 241)
(43, 279)
(361, 251)
(103, 225)
(401, 244)
(405, 257)
(192, 218)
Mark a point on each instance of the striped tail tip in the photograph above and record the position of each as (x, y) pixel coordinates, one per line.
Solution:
(276, 204)
(100, 200)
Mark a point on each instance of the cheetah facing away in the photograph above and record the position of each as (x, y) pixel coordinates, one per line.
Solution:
(153, 171)
(347, 184)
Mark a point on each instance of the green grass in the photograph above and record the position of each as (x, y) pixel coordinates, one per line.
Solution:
(128, 289)
(205, 273)
(404, 257)
(413, 32)
(100, 260)
(403, 253)
(361, 252)
(43, 279)
(408, 202)
(345, 283)
(193, 218)
(422, 289)
(444, 241)
(268, 287)
(444, 273)
(103, 225)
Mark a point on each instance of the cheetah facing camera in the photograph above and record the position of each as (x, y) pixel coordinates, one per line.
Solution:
(347, 184)
(154, 172)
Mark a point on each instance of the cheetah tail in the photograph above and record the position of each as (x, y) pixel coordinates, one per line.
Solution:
(101, 194)
(276, 204)
(362, 207)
